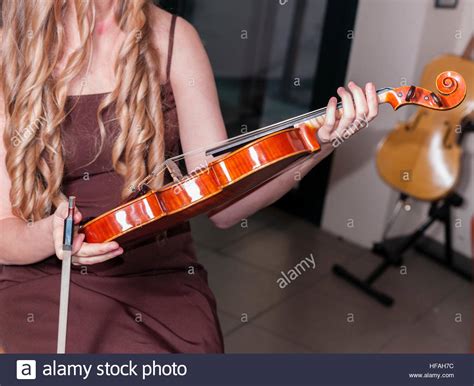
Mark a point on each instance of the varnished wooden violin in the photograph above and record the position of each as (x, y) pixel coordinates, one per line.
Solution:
(243, 163)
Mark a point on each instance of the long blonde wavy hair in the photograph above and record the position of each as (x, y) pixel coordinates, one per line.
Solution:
(35, 94)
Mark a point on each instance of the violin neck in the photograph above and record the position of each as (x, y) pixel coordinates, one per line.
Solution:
(319, 115)
(383, 96)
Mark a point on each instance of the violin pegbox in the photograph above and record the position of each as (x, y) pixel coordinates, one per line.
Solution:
(451, 89)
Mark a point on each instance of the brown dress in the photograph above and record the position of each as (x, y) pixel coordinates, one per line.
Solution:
(152, 299)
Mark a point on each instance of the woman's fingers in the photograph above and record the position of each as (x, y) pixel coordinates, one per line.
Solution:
(325, 131)
(78, 242)
(60, 214)
(83, 253)
(58, 220)
(94, 253)
(77, 216)
(348, 114)
(90, 260)
(372, 101)
(96, 249)
(361, 106)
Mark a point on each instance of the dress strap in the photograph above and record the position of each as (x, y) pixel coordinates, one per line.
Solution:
(170, 46)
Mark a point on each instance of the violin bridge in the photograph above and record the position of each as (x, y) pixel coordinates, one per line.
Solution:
(174, 170)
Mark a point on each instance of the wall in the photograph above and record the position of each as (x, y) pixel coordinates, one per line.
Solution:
(393, 39)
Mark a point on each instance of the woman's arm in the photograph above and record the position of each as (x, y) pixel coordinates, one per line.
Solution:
(24, 242)
(201, 123)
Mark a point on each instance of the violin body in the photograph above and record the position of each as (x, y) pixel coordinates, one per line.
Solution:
(422, 157)
(243, 164)
(212, 187)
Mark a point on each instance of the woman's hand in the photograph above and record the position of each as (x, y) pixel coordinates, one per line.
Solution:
(358, 109)
(82, 253)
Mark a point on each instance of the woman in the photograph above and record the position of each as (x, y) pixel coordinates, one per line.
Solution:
(92, 92)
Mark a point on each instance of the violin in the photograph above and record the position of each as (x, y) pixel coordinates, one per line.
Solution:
(241, 164)
(422, 157)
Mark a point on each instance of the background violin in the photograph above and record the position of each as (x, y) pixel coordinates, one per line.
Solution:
(241, 164)
(422, 157)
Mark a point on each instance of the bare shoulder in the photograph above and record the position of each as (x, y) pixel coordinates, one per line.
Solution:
(185, 35)
(187, 43)
(161, 23)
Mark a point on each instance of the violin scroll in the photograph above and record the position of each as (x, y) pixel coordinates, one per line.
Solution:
(451, 92)
(447, 82)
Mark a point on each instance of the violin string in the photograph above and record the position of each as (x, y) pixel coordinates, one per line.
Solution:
(274, 127)
(288, 122)
(280, 125)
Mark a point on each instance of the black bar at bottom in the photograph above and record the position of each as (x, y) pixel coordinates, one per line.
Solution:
(236, 370)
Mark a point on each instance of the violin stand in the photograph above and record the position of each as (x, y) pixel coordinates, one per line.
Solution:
(392, 249)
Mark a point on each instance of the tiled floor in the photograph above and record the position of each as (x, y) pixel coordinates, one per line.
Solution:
(316, 311)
